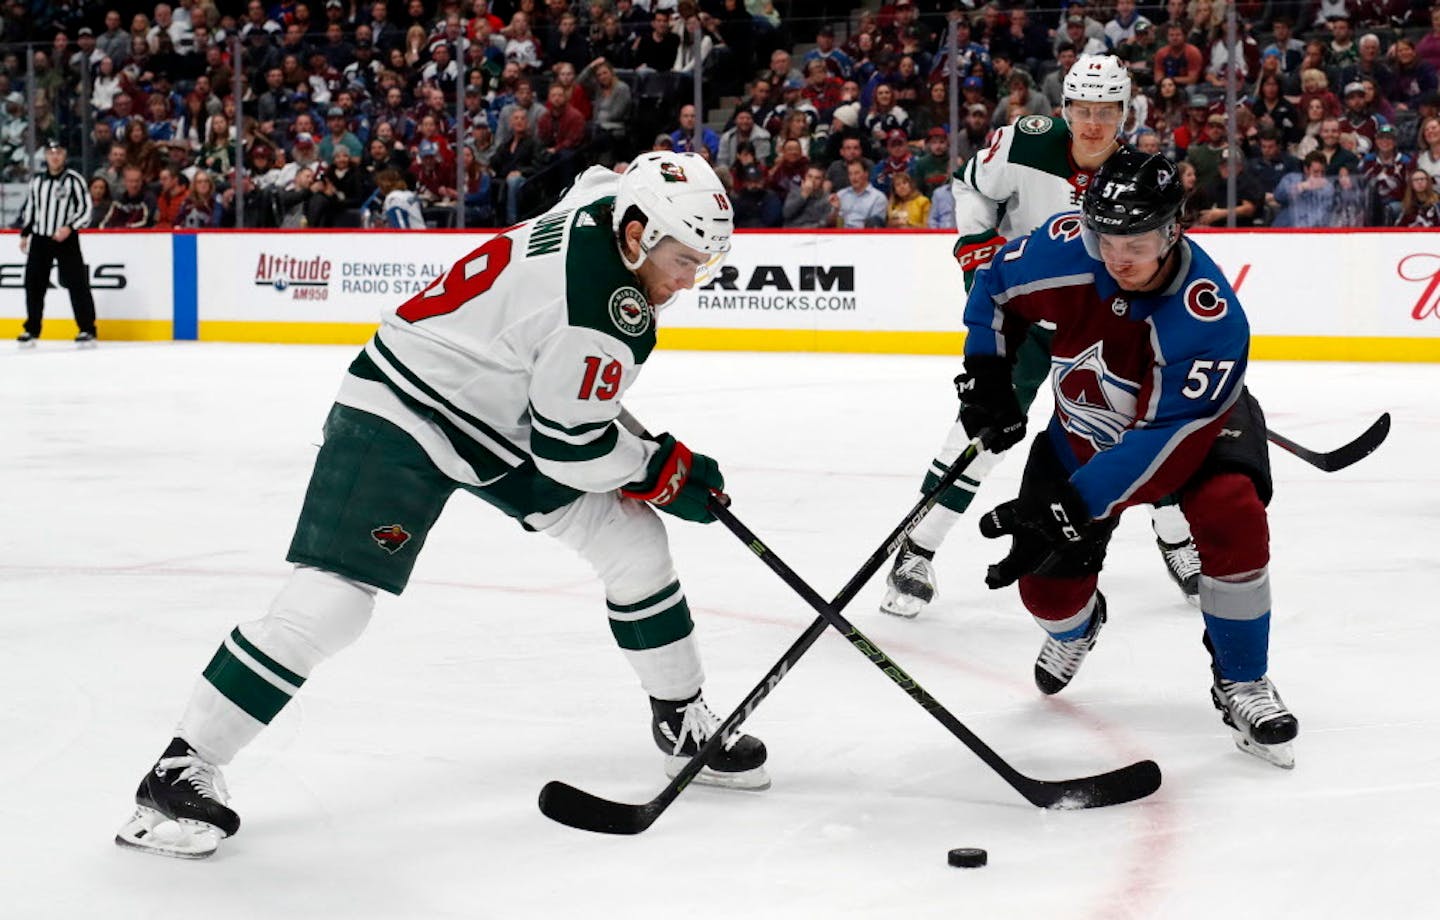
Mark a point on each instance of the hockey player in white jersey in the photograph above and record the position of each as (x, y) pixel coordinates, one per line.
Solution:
(1033, 169)
(504, 379)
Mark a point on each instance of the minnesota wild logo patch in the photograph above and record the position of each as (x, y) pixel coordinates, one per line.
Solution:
(391, 538)
(673, 172)
(1034, 124)
(629, 311)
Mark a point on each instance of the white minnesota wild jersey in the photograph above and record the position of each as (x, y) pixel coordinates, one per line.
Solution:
(522, 349)
(1011, 187)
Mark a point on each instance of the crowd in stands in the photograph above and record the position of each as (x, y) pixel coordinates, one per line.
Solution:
(402, 113)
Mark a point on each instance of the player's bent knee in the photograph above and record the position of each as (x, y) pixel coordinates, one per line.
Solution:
(1229, 524)
(623, 540)
(1056, 599)
(315, 615)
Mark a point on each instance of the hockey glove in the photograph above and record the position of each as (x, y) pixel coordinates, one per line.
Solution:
(1039, 531)
(678, 482)
(975, 252)
(988, 400)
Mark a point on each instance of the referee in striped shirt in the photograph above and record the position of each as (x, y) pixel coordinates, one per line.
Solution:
(57, 206)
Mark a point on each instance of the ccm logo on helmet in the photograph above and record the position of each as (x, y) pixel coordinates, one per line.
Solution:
(1066, 227)
(1203, 300)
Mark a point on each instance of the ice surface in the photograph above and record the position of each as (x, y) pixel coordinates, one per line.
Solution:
(149, 491)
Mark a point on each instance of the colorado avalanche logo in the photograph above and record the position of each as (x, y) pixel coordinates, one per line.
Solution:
(1203, 300)
(1065, 227)
(1093, 403)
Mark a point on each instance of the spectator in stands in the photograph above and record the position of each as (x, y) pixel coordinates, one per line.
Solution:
(141, 152)
(567, 45)
(1422, 204)
(885, 116)
(656, 49)
(576, 95)
(1125, 25)
(744, 156)
(1306, 198)
(515, 162)
(836, 61)
(1273, 110)
(524, 102)
(932, 168)
(612, 42)
(111, 172)
(174, 188)
(1272, 163)
(822, 89)
(1428, 47)
(1428, 149)
(1205, 154)
(202, 209)
(837, 176)
(1341, 51)
(611, 102)
(133, 207)
(859, 204)
(1053, 84)
(908, 208)
(1357, 119)
(796, 126)
(522, 47)
(337, 135)
(792, 100)
(1179, 59)
(974, 133)
(100, 199)
(429, 177)
(782, 71)
(1369, 64)
(689, 128)
(933, 111)
(898, 160)
(942, 209)
(560, 133)
(686, 55)
(808, 206)
(1021, 99)
(789, 168)
(758, 103)
(399, 208)
(1249, 196)
(1385, 170)
(1138, 54)
(1190, 203)
(1197, 113)
(1290, 49)
(745, 130)
(1074, 35)
(1327, 143)
(756, 204)
(1411, 77)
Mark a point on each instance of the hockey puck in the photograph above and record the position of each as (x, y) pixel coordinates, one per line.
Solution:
(968, 857)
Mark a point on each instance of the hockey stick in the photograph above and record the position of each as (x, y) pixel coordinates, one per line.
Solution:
(579, 809)
(1340, 457)
(1123, 785)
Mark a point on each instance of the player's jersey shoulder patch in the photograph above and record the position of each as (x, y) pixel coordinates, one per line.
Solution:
(600, 292)
(1065, 227)
(1203, 301)
(1043, 143)
(1035, 124)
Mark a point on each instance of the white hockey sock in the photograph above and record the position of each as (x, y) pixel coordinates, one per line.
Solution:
(934, 528)
(1169, 523)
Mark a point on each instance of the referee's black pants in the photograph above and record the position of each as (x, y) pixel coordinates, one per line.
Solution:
(45, 251)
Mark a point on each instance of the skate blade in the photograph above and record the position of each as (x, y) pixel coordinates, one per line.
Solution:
(902, 605)
(85, 346)
(151, 832)
(754, 780)
(1281, 755)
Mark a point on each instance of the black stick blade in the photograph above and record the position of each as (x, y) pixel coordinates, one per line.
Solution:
(579, 809)
(1114, 788)
(1343, 456)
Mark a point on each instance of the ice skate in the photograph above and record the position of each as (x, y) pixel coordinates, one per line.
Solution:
(25, 340)
(681, 728)
(181, 807)
(1258, 718)
(85, 340)
(911, 582)
(1182, 561)
(1060, 659)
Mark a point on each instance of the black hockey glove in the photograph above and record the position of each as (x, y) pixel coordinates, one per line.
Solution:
(678, 482)
(1039, 530)
(988, 400)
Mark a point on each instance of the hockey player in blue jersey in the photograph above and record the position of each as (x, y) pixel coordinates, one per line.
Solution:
(1149, 361)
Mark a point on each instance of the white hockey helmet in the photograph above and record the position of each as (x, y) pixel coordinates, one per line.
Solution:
(678, 195)
(1098, 78)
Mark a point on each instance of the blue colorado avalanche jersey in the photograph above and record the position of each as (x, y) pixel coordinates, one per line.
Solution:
(1142, 383)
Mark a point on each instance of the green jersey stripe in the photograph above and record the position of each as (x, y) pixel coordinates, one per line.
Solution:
(643, 607)
(558, 428)
(444, 404)
(256, 696)
(670, 625)
(488, 465)
(548, 448)
(273, 666)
